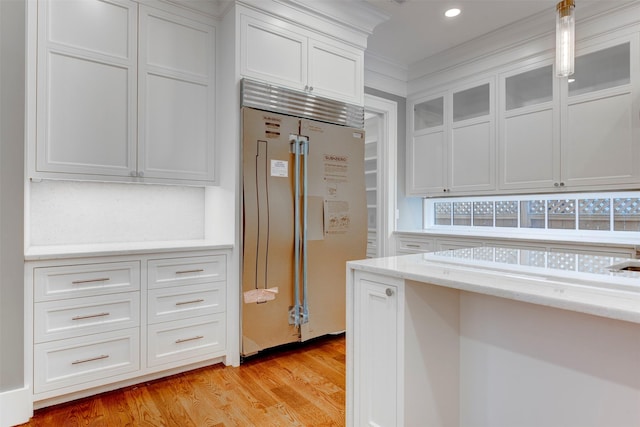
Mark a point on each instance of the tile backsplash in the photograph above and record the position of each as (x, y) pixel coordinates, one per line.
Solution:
(70, 212)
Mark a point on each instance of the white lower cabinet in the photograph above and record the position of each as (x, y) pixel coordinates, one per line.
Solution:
(184, 339)
(106, 321)
(64, 366)
(377, 351)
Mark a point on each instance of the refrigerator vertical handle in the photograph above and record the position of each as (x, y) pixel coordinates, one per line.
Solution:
(305, 186)
(294, 312)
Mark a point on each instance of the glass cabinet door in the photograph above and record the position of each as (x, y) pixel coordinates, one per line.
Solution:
(471, 103)
(601, 69)
(531, 87)
(428, 114)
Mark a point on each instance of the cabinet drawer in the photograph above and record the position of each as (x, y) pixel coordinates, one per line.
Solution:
(186, 271)
(186, 301)
(88, 360)
(72, 281)
(411, 245)
(174, 341)
(89, 315)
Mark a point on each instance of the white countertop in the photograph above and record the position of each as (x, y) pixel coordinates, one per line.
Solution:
(35, 253)
(576, 282)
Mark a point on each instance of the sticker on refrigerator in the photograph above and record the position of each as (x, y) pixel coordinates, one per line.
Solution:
(337, 216)
(280, 168)
(336, 168)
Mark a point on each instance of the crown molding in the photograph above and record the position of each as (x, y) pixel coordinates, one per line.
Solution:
(347, 21)
(385, 75)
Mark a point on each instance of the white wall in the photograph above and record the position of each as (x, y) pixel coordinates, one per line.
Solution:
(66, 212)
(12, 56)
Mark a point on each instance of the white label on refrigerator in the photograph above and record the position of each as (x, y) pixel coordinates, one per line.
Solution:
(280, 168)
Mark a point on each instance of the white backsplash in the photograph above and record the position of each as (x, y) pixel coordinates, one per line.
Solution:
(68, 212)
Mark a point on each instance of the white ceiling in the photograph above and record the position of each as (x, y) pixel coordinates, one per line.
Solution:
(418, 28)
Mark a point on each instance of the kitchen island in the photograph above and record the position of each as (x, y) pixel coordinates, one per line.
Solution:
(496, 337)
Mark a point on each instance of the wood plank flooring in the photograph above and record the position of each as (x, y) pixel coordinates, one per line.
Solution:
(302, 385)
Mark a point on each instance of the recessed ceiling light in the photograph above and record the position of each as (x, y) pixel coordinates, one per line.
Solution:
(452, 12)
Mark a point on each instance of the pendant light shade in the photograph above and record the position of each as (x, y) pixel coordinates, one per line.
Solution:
(565, 38)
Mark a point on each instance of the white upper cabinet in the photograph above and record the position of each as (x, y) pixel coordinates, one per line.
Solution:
(176, 97)
(124, 92)
(472, 141)
(87, 53)
(273, 54)
(427, 150)
(281, 53)
(601, 140)
(579, 133)
(452, 145)
(529, 140)
(336, 72)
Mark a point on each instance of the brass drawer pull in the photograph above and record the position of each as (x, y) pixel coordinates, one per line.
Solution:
(101, 279)
(91, 359)
(199, 337)
(200, 270)
(89, 316)
(195, 301)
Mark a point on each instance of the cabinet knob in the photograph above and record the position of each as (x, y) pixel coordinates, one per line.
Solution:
(306, 87)
(140, 174)
(562, 184)
(556, 184)
(389, 292)
(310, 88)
(133, 173)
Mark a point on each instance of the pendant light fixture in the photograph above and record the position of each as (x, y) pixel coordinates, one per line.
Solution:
(565, 38)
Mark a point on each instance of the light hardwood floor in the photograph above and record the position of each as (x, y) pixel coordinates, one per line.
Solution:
(302, 385)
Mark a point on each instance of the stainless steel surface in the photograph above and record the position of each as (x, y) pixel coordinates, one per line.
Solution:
(79, 282)
(91, 359)
(304, 216)
(181, 340)
(264, 96)
(89, 316)
(195, 301)
(199, 270)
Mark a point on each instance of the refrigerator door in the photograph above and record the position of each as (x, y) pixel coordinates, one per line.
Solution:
(268, 242)
(337, 221)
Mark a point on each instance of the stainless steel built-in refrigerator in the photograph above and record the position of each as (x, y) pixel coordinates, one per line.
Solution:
(303, 217)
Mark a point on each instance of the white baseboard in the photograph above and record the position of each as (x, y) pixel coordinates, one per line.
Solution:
(16, 407)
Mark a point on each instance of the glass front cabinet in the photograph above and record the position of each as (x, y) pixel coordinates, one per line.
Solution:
(452, 149)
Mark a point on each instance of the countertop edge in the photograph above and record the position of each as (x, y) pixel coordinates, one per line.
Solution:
(40, 253)
(562, 293)
(623, 242)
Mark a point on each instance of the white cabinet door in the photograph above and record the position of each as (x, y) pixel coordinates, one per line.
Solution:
(272, 53)
(86, 83)
(176, 97)
(426, 158)
(471, 154)
(377, 352)
(529, 140)
(602, 141)
(472, 140)
(427, 150)
(336, 72)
